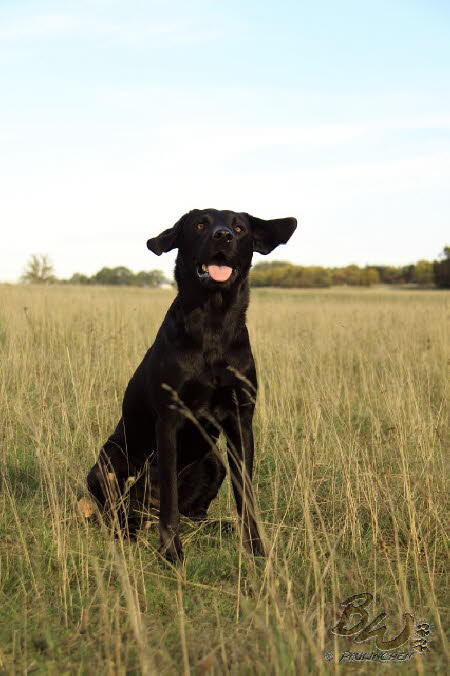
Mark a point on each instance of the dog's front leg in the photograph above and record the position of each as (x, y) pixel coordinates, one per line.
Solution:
(169, 516)
(240, 458)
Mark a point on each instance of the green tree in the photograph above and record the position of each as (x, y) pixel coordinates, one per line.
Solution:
(265, 265)
(423, 273)
(408, 273)
(390, 274)
(369, 276)
(441, 269)
(39, 270)
(78, 278)
(337, 276)
(120, 276)
(352, 275)
(150, 278)
(270, 273)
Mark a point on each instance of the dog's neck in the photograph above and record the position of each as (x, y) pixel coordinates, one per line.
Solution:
(214, 319)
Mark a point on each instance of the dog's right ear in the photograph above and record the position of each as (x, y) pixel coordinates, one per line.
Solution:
(167, 240)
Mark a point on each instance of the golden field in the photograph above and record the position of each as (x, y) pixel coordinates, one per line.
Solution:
(350, 481)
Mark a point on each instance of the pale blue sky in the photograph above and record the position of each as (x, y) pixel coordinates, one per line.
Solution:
(117, 117)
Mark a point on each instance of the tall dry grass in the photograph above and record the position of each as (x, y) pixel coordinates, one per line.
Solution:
(350, 483)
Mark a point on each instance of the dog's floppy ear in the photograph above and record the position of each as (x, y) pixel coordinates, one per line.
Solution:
(166, 240)
(269, 234)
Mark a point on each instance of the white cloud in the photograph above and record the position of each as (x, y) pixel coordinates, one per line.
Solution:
(156, 31)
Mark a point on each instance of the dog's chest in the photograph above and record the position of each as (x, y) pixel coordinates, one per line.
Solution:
(210, 392)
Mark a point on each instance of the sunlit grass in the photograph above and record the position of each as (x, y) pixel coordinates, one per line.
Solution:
(350, 483)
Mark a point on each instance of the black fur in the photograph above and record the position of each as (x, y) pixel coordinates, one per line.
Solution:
(196, 380)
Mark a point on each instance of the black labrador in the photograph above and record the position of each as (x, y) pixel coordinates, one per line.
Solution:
(196, 380)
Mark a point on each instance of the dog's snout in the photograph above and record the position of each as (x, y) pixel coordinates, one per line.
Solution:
(223, 234)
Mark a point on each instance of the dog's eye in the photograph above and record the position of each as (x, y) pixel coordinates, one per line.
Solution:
(237, 228)
(200, 226)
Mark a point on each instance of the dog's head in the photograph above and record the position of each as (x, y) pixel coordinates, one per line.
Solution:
(215, 248)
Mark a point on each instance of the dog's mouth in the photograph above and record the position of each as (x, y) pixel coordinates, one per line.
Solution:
(218, 270)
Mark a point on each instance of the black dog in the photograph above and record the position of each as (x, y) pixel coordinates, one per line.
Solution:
(197, 379)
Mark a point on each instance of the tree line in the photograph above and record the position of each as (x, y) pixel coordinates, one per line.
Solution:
(121, 276)
(284, 274)
(39, 269)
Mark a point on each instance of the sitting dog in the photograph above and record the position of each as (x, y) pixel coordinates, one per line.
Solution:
(196, 380)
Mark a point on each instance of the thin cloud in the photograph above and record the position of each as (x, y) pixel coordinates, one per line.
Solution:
(153, 32)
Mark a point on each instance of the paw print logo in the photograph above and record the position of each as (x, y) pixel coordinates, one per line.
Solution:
(328, 655)
(422, 632)
(423, 629)
(420, 646)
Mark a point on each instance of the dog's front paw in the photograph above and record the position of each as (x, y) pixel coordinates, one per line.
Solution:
(171, 548)
(255, 546)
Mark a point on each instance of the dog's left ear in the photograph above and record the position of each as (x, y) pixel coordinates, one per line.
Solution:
(269, 234)
(166, 240)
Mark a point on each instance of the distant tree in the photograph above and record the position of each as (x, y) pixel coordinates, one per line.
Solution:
(441, 269)
(390, 274)
(78, 278)
(352, 275)
(423, 273)
(369, 276)
(337, 276)
(120, 276)
(104, 276)
(408, 273)
(150, 278)
(286, 275)
(39, 270)
(264, 265)
(313, 276)
(114, 276)
(270, 273)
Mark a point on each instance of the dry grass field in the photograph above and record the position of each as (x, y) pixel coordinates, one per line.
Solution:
(350, 484)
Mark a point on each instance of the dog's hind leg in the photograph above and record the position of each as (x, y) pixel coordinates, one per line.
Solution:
(124, 454)
(106, 479)
(112, 460)
(119, 464)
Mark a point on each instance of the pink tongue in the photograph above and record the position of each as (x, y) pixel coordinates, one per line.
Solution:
(220, 273)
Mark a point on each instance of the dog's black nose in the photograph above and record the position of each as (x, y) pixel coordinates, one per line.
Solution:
(223, 234)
